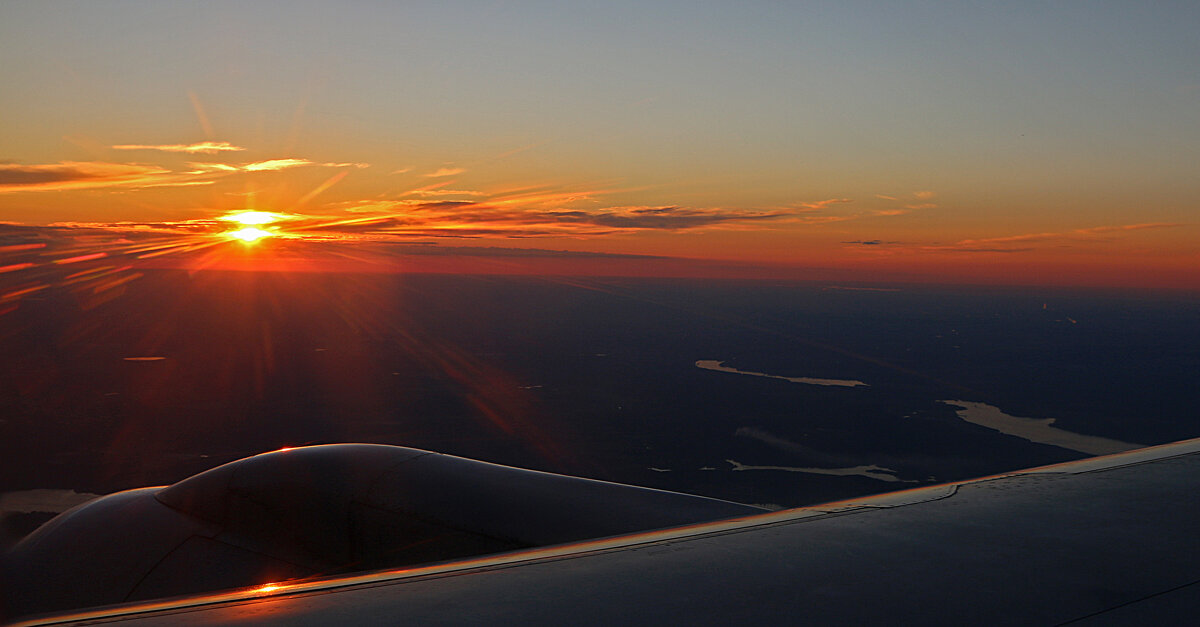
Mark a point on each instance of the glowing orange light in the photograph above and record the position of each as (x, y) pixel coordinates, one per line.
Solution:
(270, 587)
(249, 234)
(252, 218)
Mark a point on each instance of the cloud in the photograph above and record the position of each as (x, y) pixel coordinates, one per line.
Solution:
(530, 215)
(1127, 227)
(180, 227)
(1078, 236)
(430, 248)
(983, 249)
(664, 218)
(275, 164)
(271, 165)
(445, 192)
(206, 168)
(920, 195)
(822, 204)
(1027, 237)
(445, 172)
(78, 175)
(200, 147)
(823, 219)
(890, 212)
(176, 184)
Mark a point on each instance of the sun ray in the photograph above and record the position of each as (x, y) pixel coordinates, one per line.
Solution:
(253, 218)
(250, 234)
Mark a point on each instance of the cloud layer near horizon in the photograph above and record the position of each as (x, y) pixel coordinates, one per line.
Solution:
(77, 175)
(73, 175)
(199, 147)
(529, 216)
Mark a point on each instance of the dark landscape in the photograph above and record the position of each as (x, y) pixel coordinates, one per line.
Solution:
(594, 377)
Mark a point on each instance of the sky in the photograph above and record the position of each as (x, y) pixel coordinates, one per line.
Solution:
(1020, 142)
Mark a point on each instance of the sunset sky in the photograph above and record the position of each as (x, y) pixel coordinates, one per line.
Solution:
(1008, 142)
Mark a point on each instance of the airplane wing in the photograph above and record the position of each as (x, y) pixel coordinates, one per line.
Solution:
(1105, 541)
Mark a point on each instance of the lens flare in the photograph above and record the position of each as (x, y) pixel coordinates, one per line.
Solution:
(249, 234)
(252, 218)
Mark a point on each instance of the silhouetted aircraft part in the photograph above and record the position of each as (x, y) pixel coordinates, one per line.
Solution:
(1102, 541)
(320, 510)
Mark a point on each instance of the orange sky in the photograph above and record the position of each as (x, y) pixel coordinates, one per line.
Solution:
(969, 146)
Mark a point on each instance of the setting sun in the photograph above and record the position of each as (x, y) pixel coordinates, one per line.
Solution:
(251, 218)
(249, 234)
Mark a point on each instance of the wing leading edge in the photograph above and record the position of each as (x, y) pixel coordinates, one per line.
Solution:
(320, 511)
(1102, 541)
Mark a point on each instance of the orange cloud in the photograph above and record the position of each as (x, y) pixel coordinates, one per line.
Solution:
(540, 214)
(180, 227)
(822, 204)
(997, 244)
(201, 147)
(446, 172)
(274, 164)
(1127, 227)
(445, 192)
(823, 219)
(78, 175)
(919, 195)
(1027, 237)
(270, 165)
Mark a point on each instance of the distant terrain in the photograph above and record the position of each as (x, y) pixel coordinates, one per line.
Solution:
(591, 377)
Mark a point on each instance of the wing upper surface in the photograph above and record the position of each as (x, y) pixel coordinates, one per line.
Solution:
(1104, 541)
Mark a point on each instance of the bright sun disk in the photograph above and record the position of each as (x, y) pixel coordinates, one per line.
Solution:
(249, 234)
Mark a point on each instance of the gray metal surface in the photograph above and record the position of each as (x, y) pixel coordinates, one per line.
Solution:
(1100, 542)
(318, 511)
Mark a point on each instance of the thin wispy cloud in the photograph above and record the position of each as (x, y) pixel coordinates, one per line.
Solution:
(1025, 237)
(445, 192)
(270, 165)
(924, 195)
(445, 172)
(179, 227)
(531, 215)
(871, 242)
(664, 218)
(823, 219)
(1080, 236)
(1127, 227)
(174, 184)
(275, 164)
(77, 175)
(197, 148)
(820, 205)
(909, 205)
(982, 249)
